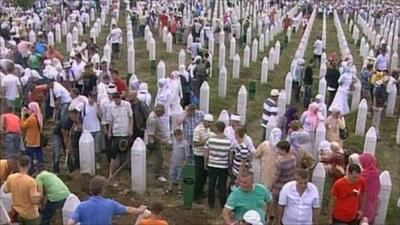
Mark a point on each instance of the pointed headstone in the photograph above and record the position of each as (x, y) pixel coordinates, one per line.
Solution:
(242, 104)
(69, 42)
(246, 57)
(271, 59)
(75, 34)
(370, 141)
(202, 34)
(362, 44)
(32, 36)
(107, 52)
(169, 43)
(361, 118)
(58, 33)
(391, 100)
(384, 198)
(210, 44)
(236, 67)
(222, 37)
(318, 179)
(87, 160)
(322, 70)
(204, 97)
(355, 100)
(64, 28)
(161, 70)
(320, 135)
(232, 49)
(398, 133)
(93, 34)
(221, 56)
(190, 41)
(182, 57)
(222, 82)
(322, 87)
(288, 87)
(261, 43)
(138, 167)
(131, 60)
(272, 123)
(224, 117)
(152, 49)
(266, 37)
(264, 71)
(80, 28)
(50, 38)
(165, 33)
(282, 103)
(254, 51)
(394, 61)
(248, 36)
(277, 52)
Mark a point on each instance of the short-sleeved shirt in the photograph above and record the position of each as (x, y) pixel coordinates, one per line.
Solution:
(218, 152)
(154, 127)
(201, 134)
(3, 170)
(55, 189)
(11, 123)
(298, 209)
(152, 221)
(241, 155)
(98, 211)
(61, 92)
(190, 124)
(180, 152)
(119, 116)
(10, 83)
(285, 173)
(241, 201)
(23, 188)
(348, 198)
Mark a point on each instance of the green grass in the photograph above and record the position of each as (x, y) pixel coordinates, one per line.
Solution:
(387, 151)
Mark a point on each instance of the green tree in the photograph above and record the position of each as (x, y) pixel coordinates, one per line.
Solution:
(25, 4)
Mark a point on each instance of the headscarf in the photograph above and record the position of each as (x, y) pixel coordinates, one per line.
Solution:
(144, 95)
(312, 113)
(35, 110)
(371, 175)
(275, 136)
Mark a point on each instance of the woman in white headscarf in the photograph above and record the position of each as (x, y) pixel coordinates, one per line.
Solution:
(342, 95)
(267, 153)
(176, 96)
(144, 95)
(164, 97)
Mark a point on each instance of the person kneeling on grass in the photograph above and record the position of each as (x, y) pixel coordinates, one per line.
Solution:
(180, 155)
(100, 210)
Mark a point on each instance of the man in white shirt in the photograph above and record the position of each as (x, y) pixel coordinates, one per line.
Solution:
(62, 98)
(299, 201)
(77, 69)
(120, 128)
(84, 19)
(115, 38)
(10, 85)
(382, 60)
(318, 49)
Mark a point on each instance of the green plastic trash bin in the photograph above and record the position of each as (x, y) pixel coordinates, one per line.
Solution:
(188, 185)
(252, 90)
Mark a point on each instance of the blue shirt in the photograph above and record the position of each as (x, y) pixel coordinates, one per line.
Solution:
(98, 211)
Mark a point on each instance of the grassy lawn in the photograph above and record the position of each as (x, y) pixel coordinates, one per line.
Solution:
(387, 151)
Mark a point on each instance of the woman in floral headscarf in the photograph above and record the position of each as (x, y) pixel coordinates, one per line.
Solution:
(32, 122)
(370, 173)
(310, 119)
(267, 153)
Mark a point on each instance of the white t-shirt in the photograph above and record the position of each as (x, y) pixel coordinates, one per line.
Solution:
(116, 35)
(78, 70)
(61, 92)
(382, 62)
(91, 122)
(11, 83)
(318, 47)
(95, 59)
(102, 91)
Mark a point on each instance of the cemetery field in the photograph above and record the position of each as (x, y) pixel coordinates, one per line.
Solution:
(387, 152)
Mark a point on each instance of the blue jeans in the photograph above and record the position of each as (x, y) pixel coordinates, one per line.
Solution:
(12, 144)
(57, 147)
(34, 153)
(49, 211)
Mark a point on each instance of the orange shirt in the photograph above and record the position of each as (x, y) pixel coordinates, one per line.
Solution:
(3, 170)
(32, 138)
(153, 221)
(22, 188)
(11, 123)
(348, 198)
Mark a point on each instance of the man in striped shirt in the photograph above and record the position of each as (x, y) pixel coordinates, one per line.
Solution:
(200, 136)
(241, 153)
(269, 109)
(216, 160)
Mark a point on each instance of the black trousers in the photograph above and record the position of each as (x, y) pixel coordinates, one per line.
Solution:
(331, 96)
(295, 92)
(217, 178)
(200, 176)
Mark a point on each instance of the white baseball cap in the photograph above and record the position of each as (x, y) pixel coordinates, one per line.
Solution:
(209, 118)
(252, 217)
(274, 92)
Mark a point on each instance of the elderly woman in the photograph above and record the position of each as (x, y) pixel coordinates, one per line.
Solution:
(310, 119)
(144, 95)
(370, 173)
(268, 154)
(334, 123)
(334, 160)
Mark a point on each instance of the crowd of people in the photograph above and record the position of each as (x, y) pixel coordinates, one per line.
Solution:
(83, 92)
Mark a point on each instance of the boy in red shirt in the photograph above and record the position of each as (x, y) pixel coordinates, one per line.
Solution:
(348, 197)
